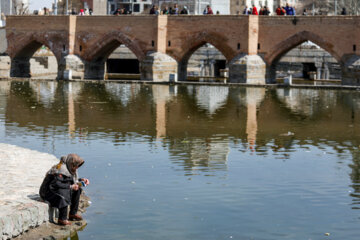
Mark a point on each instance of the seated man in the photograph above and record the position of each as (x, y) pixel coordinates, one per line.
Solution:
(62, 187)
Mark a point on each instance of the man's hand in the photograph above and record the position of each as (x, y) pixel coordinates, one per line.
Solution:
(75, 187)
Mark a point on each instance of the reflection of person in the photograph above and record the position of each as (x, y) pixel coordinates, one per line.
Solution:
(61, 187)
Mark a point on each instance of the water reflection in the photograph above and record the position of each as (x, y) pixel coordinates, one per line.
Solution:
(254, 96)
(161, 95)
(210, 98)
(248, 117)
(268, 154)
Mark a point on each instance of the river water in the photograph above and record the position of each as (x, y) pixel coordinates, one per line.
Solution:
(199, 162)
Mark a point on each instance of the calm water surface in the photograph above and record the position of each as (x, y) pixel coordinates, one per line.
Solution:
(199, 162)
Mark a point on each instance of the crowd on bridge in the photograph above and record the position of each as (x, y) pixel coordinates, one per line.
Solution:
(176, 10)
(286, 10)
(280, 10)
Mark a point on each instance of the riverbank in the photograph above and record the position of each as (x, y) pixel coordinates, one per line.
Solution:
(22, 171)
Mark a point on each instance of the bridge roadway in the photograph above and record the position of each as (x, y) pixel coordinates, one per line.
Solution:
(252, 45)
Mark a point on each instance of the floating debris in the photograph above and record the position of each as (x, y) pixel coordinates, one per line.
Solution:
(287, 134)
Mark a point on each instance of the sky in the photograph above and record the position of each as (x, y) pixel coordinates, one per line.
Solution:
(37, 4)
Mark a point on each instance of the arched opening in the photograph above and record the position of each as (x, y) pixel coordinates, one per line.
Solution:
(114, 61)
(34, 60)
(203, 63)
(306, 61)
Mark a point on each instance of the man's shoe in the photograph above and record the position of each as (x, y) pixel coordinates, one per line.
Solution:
(75, 217)
(63, 222)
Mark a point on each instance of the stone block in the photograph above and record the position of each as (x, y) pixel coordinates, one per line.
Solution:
(158, 67)
(5, 65)
(249, 69)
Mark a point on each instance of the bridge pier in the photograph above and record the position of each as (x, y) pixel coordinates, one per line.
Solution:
(158, 67)
(350, 69)
(249, 69)
(71, 67)
(5, 66)
(271, 73)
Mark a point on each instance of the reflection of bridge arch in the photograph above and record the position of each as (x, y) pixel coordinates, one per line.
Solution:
(306, 102)
(194, 43)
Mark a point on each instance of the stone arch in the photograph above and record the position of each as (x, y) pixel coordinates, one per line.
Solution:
(103, 47)
(25, 45)
(195, 42)
(25, 48)
(96, 54)
(281, 48)
(191, 44)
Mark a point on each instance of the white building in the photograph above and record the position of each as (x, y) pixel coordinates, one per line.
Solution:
(9, 7)
(134, 6)
(198, 6)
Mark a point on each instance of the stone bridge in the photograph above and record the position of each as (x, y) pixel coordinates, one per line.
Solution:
(252, 45)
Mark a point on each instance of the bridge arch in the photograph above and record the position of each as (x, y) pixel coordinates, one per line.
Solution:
(104, 46)
(20, 57)
(194, 43)
(280, 49)
(97, 53)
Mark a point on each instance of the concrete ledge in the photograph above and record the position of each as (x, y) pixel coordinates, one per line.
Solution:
(22, 172)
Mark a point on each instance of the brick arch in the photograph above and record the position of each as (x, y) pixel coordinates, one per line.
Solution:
(194, 42)
(281, 48)
(25, 45)
(104, 46)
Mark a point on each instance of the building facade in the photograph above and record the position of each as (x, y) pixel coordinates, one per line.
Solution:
(99, 7)
(133, 6)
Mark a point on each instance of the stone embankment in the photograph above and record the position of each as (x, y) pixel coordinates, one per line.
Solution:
(22, 171)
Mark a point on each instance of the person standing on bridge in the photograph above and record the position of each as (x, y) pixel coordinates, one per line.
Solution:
(246, 10)
(289, 10)
(184, 11)
(208, 10)
(343, 11)
(261, 12)
(152, 10)
(267, 11)
(175, 10)
(254, 10)
(165, 11)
